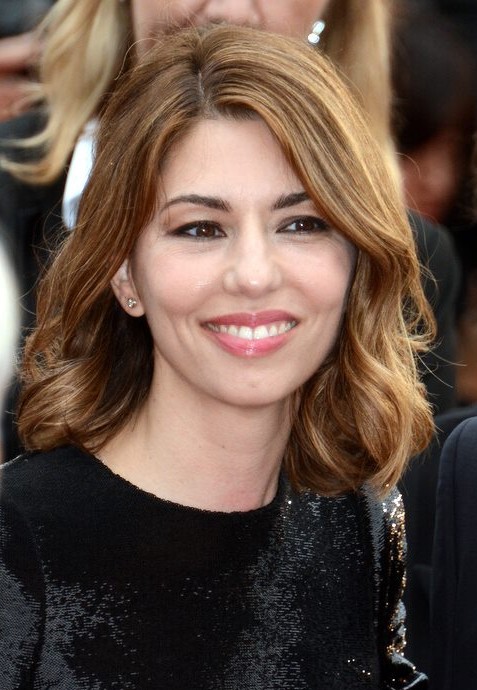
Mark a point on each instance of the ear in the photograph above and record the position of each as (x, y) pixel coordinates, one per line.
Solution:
(123, 287)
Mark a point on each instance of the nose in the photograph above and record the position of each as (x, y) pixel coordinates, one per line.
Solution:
(234, 12)
(253, 267)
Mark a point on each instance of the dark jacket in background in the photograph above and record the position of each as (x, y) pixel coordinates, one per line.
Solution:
(454, 587)
(419, 489)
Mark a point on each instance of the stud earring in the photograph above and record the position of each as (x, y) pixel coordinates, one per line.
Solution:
(316, 31)
(131, 302)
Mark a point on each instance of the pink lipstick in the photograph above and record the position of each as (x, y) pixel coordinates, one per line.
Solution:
(252, 334)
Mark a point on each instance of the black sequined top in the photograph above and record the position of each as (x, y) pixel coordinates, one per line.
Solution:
(105, 586)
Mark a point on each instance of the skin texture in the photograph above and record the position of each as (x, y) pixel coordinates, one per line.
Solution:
(290, 17)
(214, 427)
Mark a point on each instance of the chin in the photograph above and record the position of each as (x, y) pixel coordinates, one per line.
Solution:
(257, 400)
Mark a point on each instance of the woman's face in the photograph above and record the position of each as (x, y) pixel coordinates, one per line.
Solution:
(242, 281)
(290, 17)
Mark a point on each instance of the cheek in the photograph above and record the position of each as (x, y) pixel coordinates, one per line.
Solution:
(172, 286)
(329, 292)
(329, 276)
(331, 300)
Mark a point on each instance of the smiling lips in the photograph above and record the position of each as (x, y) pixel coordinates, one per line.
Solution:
(251, 334)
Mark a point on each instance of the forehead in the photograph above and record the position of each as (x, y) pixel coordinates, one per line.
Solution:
(229, 158)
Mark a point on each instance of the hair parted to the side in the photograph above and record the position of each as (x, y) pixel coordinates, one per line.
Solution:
(86, 42)
(88, 365)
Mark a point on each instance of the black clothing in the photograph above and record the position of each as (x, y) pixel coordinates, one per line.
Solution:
(419, 491)
(454, 590)
(105, 586)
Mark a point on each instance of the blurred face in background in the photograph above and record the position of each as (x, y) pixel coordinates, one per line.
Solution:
(289, 17)
(433, 175)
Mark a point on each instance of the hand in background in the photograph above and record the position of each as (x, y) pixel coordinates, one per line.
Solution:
(18, 54)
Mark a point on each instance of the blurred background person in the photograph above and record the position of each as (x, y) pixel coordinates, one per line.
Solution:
(435, 117)
(434, 114)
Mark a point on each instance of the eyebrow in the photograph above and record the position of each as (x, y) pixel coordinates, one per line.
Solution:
(198, 200)
(284, 201)
(289, 200)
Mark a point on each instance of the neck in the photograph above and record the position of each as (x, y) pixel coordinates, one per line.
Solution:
(203, 453)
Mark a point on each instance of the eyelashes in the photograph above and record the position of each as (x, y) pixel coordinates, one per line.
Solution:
(205, 230)
(200, 230)
(305, 225)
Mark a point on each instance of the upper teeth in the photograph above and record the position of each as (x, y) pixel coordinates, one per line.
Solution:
(257, 333)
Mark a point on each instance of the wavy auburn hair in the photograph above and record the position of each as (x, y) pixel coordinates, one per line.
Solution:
(88, 365)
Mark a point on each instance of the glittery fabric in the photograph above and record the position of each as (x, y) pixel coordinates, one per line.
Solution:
(104, 586)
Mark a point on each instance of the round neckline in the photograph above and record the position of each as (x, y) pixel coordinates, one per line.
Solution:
(173, 505)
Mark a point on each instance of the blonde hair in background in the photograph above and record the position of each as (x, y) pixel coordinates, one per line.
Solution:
(86, 45)
(88, 365)
(357, 38)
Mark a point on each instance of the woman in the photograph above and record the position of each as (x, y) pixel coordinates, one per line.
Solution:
(222, 386)
(93, 41)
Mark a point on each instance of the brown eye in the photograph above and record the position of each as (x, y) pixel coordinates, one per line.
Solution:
(205, 231)
(202, 230)
(305, 225)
